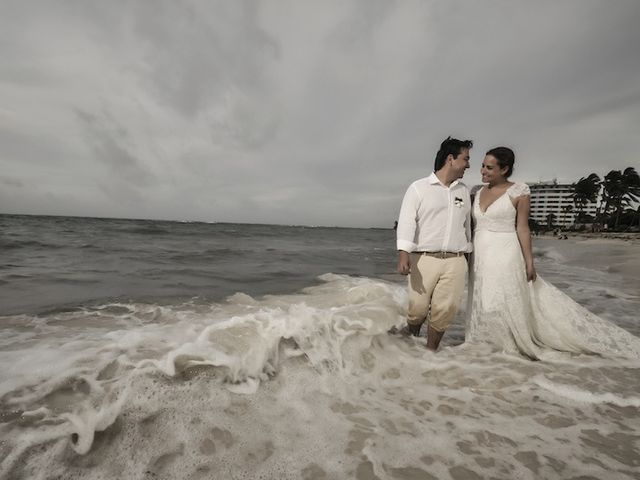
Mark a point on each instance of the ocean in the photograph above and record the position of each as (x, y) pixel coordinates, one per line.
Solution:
(144, 349)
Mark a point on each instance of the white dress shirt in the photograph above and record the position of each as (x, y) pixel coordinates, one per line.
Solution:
(434, 217)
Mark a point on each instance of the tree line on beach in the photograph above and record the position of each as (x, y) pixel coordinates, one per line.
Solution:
(616, 196)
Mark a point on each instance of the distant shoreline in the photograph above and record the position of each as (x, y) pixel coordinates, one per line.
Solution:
(631, 237)
(613, 252)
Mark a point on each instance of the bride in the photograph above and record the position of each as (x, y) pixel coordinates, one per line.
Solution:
(511, 307)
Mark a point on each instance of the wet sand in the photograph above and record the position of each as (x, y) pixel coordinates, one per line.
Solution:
(619, 256)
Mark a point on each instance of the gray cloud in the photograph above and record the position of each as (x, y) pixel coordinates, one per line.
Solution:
(11, 182)
(113, 146)
(28, 147)
(195, 55)
(302, 111)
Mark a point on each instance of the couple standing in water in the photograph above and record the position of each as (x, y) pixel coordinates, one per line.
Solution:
(510, 307)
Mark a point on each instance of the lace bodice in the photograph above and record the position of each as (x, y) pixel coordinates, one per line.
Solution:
(500, 215)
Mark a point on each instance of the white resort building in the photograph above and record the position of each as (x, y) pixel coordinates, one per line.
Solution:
(553, 197)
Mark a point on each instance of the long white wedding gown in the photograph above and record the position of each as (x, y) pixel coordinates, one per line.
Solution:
(529, 318)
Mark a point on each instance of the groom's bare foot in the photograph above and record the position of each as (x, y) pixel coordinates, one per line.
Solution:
(433, 338)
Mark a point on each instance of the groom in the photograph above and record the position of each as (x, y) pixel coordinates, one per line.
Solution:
(433, 236)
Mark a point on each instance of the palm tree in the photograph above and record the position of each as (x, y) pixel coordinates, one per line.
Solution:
(585, 191)
(612, 187)
(567, 210)
(629, 218)
(621, 189)
(550, 219)
(533, 226)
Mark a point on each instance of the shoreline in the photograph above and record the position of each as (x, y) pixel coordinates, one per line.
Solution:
(619, 254)
(626, 237)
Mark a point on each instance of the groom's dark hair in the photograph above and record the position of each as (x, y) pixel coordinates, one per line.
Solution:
(451, 146)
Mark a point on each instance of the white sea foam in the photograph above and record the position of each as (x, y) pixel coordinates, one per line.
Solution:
(585, 396)
(307, 385)
(549, 253)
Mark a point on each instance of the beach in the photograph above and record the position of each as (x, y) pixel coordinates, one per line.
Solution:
(617, 253)
(260, 352)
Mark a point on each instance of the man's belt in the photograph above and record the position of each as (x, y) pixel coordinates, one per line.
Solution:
(441, 255)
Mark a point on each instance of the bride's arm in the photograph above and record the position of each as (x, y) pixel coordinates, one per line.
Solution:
(524, 234)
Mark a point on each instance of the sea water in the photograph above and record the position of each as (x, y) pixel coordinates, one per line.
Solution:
(168, 350)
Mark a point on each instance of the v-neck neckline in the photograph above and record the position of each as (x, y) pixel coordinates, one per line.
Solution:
(489, 206)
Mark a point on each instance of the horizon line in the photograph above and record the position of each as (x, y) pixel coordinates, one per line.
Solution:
(212, 222)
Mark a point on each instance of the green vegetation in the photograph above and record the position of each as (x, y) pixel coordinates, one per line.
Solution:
(618, 209)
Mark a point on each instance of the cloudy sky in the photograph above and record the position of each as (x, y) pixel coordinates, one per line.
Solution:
(307, 112)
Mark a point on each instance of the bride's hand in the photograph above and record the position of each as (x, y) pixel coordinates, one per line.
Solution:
(531, 273)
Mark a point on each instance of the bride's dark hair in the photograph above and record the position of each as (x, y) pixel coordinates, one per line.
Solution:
(505, 158)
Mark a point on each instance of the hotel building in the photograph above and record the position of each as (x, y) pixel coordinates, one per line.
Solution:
(553, 197)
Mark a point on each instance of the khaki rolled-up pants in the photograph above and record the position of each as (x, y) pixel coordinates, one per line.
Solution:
(435, 284)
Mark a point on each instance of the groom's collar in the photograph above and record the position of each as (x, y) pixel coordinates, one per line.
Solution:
(433, 180)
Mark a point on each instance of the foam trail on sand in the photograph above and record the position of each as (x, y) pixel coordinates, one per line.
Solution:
(584, 396)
